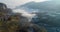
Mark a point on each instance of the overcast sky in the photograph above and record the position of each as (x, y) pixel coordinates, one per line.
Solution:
(14, 3)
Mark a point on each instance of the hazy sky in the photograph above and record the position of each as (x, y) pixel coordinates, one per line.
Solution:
(14, 3)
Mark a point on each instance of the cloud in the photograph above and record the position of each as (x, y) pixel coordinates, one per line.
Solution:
(13, 3)
(24, 13)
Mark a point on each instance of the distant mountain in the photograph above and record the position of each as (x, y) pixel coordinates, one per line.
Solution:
(53, 13)
(51, 7)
